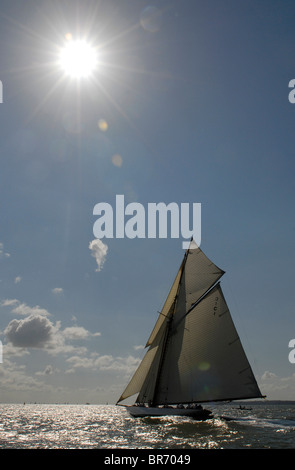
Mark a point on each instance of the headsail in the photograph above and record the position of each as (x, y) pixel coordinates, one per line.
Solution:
(195, 354)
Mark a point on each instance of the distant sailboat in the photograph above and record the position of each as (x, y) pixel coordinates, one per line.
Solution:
(195, 354)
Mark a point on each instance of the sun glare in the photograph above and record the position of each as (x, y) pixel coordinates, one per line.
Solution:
(78, 59)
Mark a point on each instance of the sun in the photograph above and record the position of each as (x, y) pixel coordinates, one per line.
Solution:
(78, 59)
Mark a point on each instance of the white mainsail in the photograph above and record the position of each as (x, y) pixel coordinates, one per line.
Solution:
(195, 354)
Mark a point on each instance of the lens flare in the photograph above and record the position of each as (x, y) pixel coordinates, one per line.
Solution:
(103, 125)
(117, 160)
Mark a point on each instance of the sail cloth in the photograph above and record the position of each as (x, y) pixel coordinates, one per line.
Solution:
(195, 354)
(167, 306)
(145, 377)
(198, 274)
(204, 358)
(137, 381)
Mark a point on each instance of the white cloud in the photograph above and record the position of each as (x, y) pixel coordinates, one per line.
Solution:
(75, 332)
(23, 309)
(99, 252)
(11, 351)
(79, 362)
(78, 332)
(17, 279)
(123, 364)
(274, 386)
(57, 290)
(9, 302)
(268, 375)
(126, 365)
(3, 254)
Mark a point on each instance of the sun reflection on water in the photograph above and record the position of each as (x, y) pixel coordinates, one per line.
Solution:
(110, 427)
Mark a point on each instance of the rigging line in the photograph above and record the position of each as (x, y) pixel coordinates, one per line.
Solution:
(181, 274)
(160, 313)
(215, 284)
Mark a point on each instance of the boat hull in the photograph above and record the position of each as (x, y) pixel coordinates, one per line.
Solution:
(144, 411)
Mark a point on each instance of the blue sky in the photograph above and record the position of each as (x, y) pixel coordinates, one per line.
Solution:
(196, 106)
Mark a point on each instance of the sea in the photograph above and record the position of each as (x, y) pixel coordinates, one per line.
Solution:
(113, 433)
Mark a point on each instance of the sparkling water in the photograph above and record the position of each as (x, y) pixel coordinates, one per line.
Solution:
(40, 426)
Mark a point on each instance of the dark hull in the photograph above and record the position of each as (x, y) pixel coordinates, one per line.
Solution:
(142, 411)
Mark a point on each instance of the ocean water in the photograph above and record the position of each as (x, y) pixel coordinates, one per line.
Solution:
(39, 426)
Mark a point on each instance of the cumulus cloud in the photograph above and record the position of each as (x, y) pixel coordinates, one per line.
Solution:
(125, 365)
(78, 332)
(17, 279)
(37, 331)
(21, 308)
(99, 252)
(34, 331)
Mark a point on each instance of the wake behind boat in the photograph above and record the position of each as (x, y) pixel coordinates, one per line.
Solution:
(195, 354)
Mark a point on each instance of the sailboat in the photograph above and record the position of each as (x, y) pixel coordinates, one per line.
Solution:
(194, 352)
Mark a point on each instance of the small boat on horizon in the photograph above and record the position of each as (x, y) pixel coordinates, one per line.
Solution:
(195, 354)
